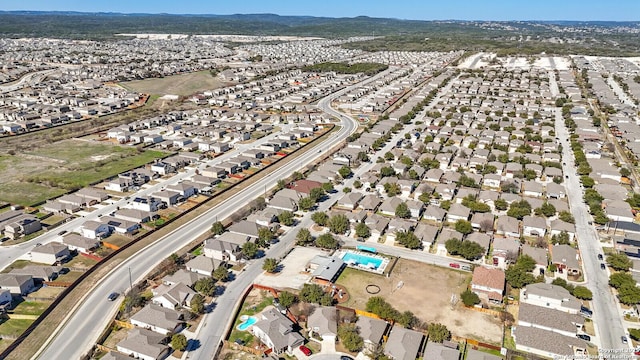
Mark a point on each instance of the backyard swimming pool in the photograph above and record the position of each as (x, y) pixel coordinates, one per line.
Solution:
(247, 321)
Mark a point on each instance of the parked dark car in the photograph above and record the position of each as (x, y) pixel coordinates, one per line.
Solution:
(584, 337)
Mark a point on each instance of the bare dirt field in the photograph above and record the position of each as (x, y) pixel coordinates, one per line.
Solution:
(426, 291)
(183, 84)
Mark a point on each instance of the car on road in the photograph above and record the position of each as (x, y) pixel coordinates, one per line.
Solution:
(114, 295)
(603, 266)
(590, 222)
(584, 337)
(305, 350)
(566, 176)
(62, 232)
(624, 339)
(344, 357)
(599, 256)
(454, 265)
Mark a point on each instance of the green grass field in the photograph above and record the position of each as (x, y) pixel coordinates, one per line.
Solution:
(34, 176)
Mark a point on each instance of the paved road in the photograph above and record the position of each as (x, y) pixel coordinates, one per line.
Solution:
(607, 319)
(33, 77)
(94, 312)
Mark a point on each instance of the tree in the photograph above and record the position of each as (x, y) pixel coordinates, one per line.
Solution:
(582, 293)
(510, 187)
(408, 239)
(467, 249)
(303, 237)
(286, 298)
(327, 187)
(469, 298)
(389, 156)
(629, 295)
(438, 332)
(197, 304)
(306, 203)
(316, 194)
(379, 306)
(349, 337)
(327, 241)
(286, 218)
(546, 210)
(270, 265)
(519, 209)
(501, 204)
(221, 273)
(619, 262)
(408, 319)
(566, 217)
(402, 211)
(345, 172)
(217, 228)
(362, 230)
(387, 171)
(519, 274)
(338, 224)
(634, 333)
(562, 238)
(281, 184)
(320, 218)
(463, 227)
(179, 342)
(357, 184)
(249, 249)
(206, 286)
(311, 293)
(625, 172)
(346, 189)
(620, 279)
(265, 235)
(392, 189)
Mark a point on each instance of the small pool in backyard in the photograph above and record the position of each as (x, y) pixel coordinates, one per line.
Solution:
(247, 321)
(364, 261)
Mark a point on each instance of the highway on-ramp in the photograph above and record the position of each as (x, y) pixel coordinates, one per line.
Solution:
(84, 323)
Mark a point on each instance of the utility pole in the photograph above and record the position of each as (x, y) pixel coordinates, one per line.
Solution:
(130, 281)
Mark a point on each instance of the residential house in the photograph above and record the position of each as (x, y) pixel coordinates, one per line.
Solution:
(505, 250)
(434, 213)
(144, 344)
(173, 296)
(38, 273)
(483, 221)
(403, 344)
(566, 259)
(203, 265)
(276, 331)
(536, 340)
(488, 284)
(50, 253)
(508, 226)
(550, 296)
(550, 319)
(389, 206)
(350, 200)
(17, 284)
(371, 330)
(534, 226)
(246, 228)
(558, 226)
(324, 322)
(458, 212)
(183, 276)
(158, 319)
(426, 234)
(447, 350)
(79, 243)
(539, 255)
(222, 250)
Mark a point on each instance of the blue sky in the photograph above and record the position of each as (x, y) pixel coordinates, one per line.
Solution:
(616, 10)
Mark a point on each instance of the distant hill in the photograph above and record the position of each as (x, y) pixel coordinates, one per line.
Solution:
(504, 37)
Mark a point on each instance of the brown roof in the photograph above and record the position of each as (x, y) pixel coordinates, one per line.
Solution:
(305, 186)
(492, 278)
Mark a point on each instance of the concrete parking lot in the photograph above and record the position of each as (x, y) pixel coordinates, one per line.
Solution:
(291, 274)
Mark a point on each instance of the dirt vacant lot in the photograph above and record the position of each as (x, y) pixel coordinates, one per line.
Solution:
(184, 84)
(34, 175)
(426, 291)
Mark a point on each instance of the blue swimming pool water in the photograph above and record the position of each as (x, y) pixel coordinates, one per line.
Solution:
(361, 259)
(245, 325)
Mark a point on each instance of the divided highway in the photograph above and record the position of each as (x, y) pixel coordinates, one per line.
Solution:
(94, 312)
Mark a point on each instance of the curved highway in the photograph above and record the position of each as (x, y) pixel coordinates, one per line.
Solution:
(94, 312)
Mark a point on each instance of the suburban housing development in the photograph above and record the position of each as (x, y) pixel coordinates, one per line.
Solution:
(174, 196)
